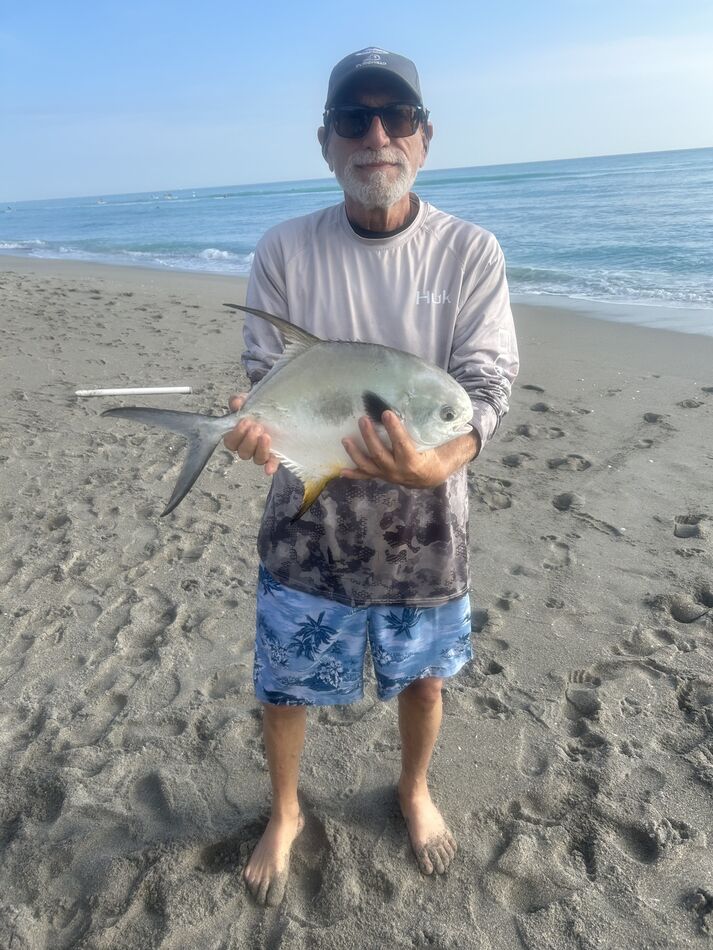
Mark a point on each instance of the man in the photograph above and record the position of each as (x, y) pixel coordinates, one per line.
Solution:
(383, 554)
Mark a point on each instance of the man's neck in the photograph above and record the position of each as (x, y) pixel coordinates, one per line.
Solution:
(382, 220)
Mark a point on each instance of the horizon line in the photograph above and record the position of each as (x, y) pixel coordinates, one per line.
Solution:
(286, 181)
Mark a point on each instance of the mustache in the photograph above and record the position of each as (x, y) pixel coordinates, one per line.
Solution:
(370, 156)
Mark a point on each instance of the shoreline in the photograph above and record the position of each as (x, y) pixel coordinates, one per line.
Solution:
(588, 310)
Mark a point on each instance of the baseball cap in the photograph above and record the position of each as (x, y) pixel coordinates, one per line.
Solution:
(371, 60)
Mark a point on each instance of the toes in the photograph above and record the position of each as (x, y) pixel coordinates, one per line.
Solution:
(276, 891)
(448, 843)
(437, 859)
(424, 861)
(445, 858)
(261, 892)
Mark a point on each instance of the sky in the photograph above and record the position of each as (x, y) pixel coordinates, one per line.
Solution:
(104, 97)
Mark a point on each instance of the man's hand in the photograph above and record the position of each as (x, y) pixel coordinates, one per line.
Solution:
(403, 464)
(249, 439)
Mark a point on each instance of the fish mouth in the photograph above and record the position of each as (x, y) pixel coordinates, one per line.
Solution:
(454, 434)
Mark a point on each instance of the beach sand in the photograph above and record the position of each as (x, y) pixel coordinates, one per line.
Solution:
(575, 763)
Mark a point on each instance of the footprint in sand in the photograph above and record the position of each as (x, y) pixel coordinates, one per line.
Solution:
(540, 407)
(582, 700)
(687, 608)
(643, 641)
(506, 600)
(487, 622)
(539, 432)
(227, 683)
(651, 841)
(346, 715)
(516, 459)
(688, 526)
(580, 709)
(150, 799)
(695, 700)
(538, 389)
(573, 463)
(656, 418)
(491, 491)
(560, 554)
(700, 903)
(568, 501)
(689, 403)
(532, 760)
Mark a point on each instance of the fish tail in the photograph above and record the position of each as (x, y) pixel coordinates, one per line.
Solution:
(202, 433)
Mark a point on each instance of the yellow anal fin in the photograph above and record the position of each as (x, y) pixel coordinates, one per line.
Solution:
(313, 489)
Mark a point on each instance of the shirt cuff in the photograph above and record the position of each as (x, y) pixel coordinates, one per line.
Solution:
(485, 421)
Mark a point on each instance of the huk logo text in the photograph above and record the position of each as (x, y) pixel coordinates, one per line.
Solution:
(428, 296)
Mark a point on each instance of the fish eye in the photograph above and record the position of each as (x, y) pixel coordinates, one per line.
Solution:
(448, 413)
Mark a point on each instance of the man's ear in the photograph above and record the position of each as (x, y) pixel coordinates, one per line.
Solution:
(323, 139)
(427, 135)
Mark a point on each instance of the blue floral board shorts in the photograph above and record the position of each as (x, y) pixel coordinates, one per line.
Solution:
(310, 650)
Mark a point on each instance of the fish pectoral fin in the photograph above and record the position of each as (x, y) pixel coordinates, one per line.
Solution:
(375, 406)
(313, 488)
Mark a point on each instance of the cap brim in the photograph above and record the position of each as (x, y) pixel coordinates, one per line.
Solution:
(392, 77)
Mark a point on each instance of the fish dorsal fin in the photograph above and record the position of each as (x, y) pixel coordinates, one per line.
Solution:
(295, 338)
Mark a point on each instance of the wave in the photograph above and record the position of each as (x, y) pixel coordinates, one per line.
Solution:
(207, 260)
(613, 286)
(20, 245)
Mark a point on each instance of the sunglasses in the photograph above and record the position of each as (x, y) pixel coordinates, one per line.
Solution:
(400, 120)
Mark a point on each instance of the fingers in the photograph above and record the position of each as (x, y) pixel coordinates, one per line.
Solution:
(237, 402)
(375, 447)
(262, 453)
(243, 439)
(250, 441)
(401, 441)
(360, 458)
(272, 465)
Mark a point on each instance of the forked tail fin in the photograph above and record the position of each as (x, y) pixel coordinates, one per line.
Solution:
(202, 433)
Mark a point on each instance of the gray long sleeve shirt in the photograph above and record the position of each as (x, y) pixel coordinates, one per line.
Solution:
(436, 289)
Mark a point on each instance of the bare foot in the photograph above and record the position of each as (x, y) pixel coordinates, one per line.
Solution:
(266, 872)
(431, 840)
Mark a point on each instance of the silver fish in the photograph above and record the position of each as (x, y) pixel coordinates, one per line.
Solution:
(312, 398)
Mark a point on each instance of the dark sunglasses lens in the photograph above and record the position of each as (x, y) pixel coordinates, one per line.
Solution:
(351, 123)
(400, 121)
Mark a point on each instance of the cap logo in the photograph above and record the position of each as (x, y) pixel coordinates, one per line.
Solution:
(372, 60)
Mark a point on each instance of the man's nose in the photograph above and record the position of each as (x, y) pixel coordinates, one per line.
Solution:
(376, 135)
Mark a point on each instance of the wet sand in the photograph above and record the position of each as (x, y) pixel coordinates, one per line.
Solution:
(575, 763)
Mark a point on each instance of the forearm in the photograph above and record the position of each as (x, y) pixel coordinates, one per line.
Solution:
(458, 452)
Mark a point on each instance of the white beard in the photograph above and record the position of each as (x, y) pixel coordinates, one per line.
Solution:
(381, 189)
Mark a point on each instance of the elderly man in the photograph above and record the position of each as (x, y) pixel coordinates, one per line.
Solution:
(382, 556)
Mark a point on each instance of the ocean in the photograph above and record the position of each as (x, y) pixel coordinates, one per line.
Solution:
(622, 229)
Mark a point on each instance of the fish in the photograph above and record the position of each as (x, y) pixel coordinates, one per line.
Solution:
(312, 398)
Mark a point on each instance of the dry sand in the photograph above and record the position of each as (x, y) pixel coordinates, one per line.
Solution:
(576, 758)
